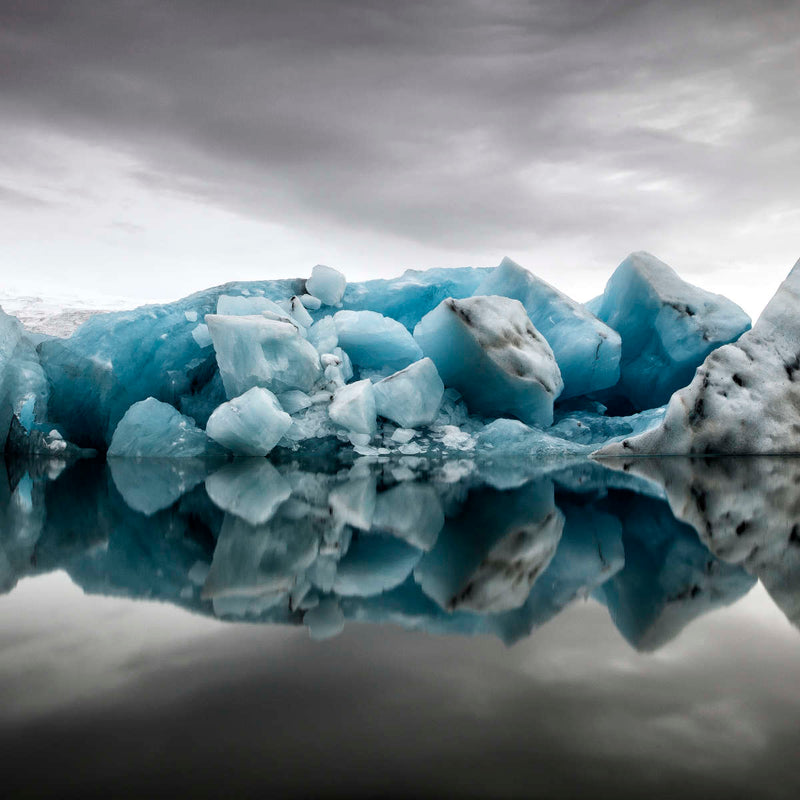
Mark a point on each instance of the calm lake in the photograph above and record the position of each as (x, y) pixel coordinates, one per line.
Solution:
(557, 628)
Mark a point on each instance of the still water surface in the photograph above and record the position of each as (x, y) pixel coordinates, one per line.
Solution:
(549, 629)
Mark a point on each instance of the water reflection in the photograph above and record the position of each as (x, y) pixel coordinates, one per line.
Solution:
(448, 548)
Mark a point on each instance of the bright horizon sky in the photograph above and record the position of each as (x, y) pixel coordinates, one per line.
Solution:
(149, 150)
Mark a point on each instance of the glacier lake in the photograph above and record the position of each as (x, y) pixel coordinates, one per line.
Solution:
(403, 627)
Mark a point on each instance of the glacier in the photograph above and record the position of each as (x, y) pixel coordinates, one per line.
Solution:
(486, 363)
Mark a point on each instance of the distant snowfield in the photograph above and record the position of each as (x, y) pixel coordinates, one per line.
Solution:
(60, 315)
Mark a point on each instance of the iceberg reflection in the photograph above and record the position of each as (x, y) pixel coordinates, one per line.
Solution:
(438, 546)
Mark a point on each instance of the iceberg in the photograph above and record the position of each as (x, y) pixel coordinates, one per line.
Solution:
(23, 386)
(411, 397)
(257, 351)
(429, 364)
(744, 399)
(586, 349)
(374, 341)
(326, 284)
(488, 349)
(251, 424)
(667, 327)
(152, 429)
(353, 407)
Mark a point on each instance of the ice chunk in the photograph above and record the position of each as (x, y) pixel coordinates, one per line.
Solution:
(310, 302)
(411, 296)
(298, 312)
(745, 397)
(294, 400)
(152, 429)
(510, 437)
(251, 489)
(353, 407)
(322, 334)
(411, 511)
(251, 424)
(586, 349)
(256, 351)
(374, 341)
(23, 384)
(114, 360)
(327, 284)
(411, 397)
(667, 327)
(488, 349)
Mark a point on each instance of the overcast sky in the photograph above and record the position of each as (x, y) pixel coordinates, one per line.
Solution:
(151, 148)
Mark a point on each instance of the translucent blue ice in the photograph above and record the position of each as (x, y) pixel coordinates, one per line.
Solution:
(353, 407)
(23, 385)
(326, 284)
(411, 397)
(586, 349)
(256, 351)
(488, 349)
(374, 341)
(667, 326)
(251, 424)
(152, 429)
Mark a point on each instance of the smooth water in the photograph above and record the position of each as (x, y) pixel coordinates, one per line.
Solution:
(405, 629)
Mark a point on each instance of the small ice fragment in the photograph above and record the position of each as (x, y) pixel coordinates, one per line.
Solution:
(202, 336)
(403, 435)
(353, 407)
(327, 284)
(251, 424)
(310, 302)
(191, 316)
(294, 400)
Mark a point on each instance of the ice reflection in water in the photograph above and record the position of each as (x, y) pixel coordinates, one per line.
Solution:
(444, 547)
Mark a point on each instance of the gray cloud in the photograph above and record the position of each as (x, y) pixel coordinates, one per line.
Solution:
(456, 124)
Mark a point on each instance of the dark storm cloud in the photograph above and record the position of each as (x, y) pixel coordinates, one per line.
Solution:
(453, 123)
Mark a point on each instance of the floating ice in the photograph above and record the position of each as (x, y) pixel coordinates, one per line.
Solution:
(151, 429)
(488, 349)
(347, 378)
(255, 351)
(743, 399)
(667, 327)
(586, 349)
(374, 341)
(353, 407)
(251, 424)
(326, 284)
(411, 397)
(23, 385)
